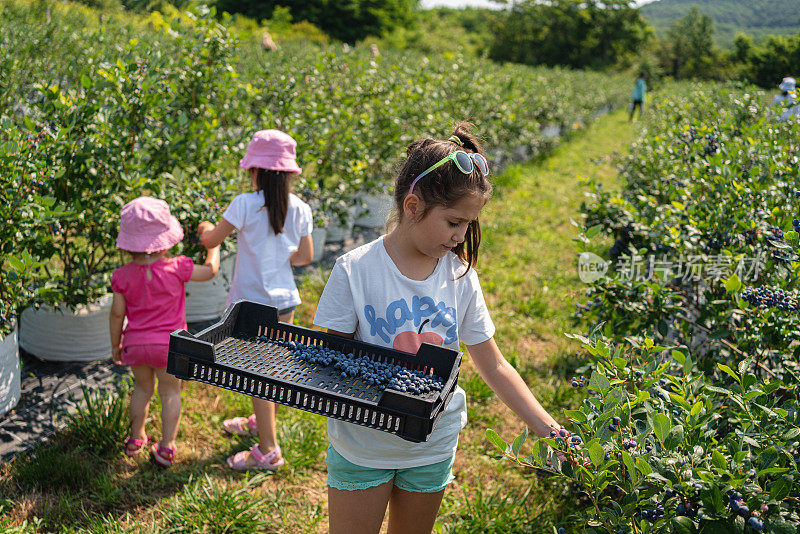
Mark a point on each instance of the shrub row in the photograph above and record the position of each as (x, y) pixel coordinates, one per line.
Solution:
(99, 109)
(692, 419)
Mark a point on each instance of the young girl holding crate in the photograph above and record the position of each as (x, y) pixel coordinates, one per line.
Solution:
(417, 284)
(150, 292)
(274, 232)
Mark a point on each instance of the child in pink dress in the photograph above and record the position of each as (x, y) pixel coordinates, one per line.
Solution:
(150, 292)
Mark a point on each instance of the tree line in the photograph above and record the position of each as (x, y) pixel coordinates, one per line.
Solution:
(582, 34)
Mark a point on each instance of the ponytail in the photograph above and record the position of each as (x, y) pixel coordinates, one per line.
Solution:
(276, 186)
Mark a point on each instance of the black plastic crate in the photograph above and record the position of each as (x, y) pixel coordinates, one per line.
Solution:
(228, 356)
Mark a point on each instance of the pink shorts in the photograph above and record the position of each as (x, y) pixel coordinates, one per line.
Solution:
(151, 354)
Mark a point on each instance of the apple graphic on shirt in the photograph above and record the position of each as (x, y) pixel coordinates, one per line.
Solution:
(410, 341)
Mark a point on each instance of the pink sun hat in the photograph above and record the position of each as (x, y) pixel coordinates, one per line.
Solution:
(272, 150)
(146, 225)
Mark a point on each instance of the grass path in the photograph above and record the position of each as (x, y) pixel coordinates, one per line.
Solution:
(529, 276)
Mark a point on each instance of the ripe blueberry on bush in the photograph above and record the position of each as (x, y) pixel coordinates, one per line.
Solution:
(764, 298)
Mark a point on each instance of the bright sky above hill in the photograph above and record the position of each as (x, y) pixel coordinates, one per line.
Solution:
(473, 3)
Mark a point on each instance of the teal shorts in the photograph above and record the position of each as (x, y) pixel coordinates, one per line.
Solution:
(345, 475)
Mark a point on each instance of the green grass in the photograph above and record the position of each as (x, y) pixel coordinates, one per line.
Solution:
(81, 481)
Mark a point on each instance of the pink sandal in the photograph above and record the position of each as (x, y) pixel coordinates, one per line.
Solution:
(134, 446)
(264, 462)
(163, 456)
(241, 426)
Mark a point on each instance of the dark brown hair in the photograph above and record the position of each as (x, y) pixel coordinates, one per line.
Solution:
(276, 186)
(446, 185)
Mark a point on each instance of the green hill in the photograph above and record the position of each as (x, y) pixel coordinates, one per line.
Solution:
(755, 17)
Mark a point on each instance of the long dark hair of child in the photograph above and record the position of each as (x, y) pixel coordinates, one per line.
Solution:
(446, 185)
(276, 186)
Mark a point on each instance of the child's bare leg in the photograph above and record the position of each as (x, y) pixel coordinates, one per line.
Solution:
(412, 512)
(169, 390)
(144, 384)
(265, 422)
(359, 511)
(265, 416)
(265, 412)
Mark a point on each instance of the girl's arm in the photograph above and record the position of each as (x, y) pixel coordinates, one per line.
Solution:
(509, 386)
(304, 253)
(115, 319)
(207, 271)
(212, 236)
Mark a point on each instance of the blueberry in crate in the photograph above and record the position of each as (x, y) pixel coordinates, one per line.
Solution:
(250, 351)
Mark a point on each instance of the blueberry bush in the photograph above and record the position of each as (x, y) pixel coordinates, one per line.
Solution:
(657, 445)
(690, 422)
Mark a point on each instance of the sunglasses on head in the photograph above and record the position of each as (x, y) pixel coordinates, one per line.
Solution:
(464, 163)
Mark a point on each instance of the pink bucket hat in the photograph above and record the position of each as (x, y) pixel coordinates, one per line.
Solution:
(145, 225)
(272, 150)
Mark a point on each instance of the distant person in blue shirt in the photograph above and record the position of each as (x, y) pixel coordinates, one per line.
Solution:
(638, 95)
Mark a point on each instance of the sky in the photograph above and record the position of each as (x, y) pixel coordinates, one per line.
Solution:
(471, 3)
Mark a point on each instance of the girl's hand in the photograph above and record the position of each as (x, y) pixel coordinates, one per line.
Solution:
(116, 354)
(204, 227)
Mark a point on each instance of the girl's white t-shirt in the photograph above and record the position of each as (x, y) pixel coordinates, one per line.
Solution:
(367, 294)
(263, 273)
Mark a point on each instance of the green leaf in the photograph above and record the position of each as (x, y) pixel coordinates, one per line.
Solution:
(16, 264)
(767, 458)
(780, 489)
(495, 438)
(728, 370)
(596, 453)
(674, 438)
(776, 525)
(643, 466)
(678, 399)
(683, 525)
(720, 334)
(792, 237)
(733, 284)
(628, 461)
(678, 356)
(620, 363)
(599, 382)
(792, 433)
(661, 426)
(575, 415)
(518, 441)
(593, 231)
(719, 460)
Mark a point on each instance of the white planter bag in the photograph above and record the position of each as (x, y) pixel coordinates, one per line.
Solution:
(64, 335)
(318, 237)
(9, 372)
(376, 211)
(551, 131)
(206, 300)
(339, 232)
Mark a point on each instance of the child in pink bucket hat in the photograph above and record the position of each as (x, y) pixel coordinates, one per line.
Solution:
(149, 292)
(271, 150)
(274, 233)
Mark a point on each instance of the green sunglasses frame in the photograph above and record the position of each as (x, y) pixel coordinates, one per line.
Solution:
(453, 156)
